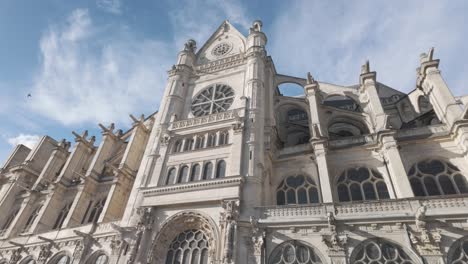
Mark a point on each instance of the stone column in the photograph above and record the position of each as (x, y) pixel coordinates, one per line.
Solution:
(398, 175)
(318, 142)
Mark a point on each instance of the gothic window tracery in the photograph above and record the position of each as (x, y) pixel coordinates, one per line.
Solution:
(458, 254)
(177, 146)
(28, 260)
(32, 218)
(199, 142)
(188, 144)
(297, 190)
(98, 257)
(189, 247)
(221, 169)
(211, 140)
(61, 217)
(379, 251)
(223, 138)
(213, 99)
(436, 177)
(96, 211)
(60, 259)
(294, 252)
(358, 184)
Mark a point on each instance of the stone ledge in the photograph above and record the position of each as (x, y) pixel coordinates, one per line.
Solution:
(208, 119)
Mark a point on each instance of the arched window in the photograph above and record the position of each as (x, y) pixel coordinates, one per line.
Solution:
(27, 260)
(188, 144)
(458, 253)
(177, 146)
(435, 177)
(32, 218)
(221, 169)
(199, 142)
(211, 140)
(61, 217)
(98, 258)
(190, 246)
(379, 251)
(8, 222)
(297, 190)
(171, 174)
(194, 174)
(183, 175)
(359, 184)
(223, 138)
(342, 102)
(294, 252)
(96, 212)
(207, 171)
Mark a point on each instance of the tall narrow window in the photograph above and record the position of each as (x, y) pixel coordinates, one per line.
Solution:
(223, 138)
(297, 190)
(96, 212)
(199, 142)
(194, 174)
(435, 177)
(32, 218)
(183, 175)
(61, 217)
(8, 222)
(177, 146)
(221, 169)
(211, 140)
(171, 174)
(188, 144)
(207, 171)
(360, 184)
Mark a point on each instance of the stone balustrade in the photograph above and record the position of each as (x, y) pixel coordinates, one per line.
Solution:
(383, 209)
(208, 119)
(221, 64)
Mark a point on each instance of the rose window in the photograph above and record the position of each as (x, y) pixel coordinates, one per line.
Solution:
(221, 49)
(214, 99)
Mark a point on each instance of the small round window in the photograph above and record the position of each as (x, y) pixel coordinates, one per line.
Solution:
(213, 99)
(221, 49)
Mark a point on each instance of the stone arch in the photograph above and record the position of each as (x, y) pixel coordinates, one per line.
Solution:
(292, 120)
(346, 126)
(291, 248)
(282, 79)
(343, 101)
(91, 259)
(370, 251)
(458, 252)
(179, 223)
(27, 260)
(55, 259)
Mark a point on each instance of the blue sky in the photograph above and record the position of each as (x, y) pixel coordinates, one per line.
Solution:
(86, 62)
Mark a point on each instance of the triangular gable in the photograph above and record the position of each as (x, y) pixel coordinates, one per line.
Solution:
(225, 41)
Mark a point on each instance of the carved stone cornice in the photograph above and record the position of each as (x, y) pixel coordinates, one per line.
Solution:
(221, 64)
(208, 119)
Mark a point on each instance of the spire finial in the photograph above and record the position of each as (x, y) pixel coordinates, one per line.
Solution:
(365, 68)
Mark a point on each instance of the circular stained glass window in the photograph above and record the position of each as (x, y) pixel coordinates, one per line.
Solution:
(213, 99)
(221, 49)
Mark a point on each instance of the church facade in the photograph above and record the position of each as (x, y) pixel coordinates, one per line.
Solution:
(230, 170)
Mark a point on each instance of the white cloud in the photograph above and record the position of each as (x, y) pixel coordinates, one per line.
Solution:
(98, 74)
(332, 39)
(199, 19)
(28, 140)
(111, 6)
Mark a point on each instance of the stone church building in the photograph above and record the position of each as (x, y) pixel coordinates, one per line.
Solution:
(231, 170)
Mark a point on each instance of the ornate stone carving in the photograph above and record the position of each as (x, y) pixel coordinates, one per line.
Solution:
(15, 256)
(335, 242)
(116, 245)
(228, 223)
(79, 247)
(45, 253)
(190, 46)
(145, 223)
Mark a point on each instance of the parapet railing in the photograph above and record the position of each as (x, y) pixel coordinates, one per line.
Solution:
(203, 120)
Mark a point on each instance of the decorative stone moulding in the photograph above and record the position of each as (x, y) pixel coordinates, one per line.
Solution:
(365, 210)
(208, 119)
(221, 64)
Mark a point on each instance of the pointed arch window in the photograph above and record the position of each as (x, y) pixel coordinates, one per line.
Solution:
(8, 222)
(96, 211)
(183, 174)
(360, 184)
(294, 252)
(32, 218)
(171, 175)
(61, 259)
(199, 142)
(207, 171)
(458, 253)
(223, 138)
(62, 215)
(189, 247)
(379, 251)
(221, 169)
(177, 146)
(188, 144)
(194, 174)
(433, 177)
(211, 140)
(297, 190)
